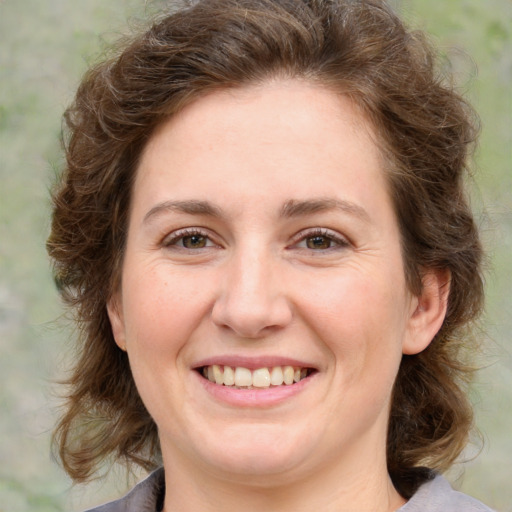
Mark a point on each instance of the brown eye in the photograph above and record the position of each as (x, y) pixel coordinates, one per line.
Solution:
(318, 242)
(194, 241)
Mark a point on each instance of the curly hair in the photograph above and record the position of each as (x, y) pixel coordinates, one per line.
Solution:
(426, 132)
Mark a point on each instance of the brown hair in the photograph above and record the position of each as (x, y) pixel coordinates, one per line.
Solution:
(358, 48)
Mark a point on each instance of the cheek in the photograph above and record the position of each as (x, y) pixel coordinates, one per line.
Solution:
(162, 311)
(360, 319)
(162, 308)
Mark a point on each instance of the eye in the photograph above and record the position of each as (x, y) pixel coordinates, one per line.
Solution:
(194, 241)
(188, 239)
(320, 240)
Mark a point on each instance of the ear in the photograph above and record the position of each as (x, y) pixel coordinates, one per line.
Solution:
(115, 315)
(428, 311)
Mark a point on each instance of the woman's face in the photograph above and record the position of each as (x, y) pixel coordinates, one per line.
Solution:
(262, 237)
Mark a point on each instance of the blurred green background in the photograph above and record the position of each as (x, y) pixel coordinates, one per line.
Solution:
(45, 46)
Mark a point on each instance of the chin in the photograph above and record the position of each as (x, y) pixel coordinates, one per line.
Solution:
(258, 451)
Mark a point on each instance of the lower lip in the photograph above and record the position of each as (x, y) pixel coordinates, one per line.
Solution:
(262, 397)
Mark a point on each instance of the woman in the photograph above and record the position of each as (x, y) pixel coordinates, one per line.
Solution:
(263, 231)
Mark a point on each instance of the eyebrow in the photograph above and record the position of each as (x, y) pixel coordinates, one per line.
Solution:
(191, 207)
(291, 208)
(295, 208)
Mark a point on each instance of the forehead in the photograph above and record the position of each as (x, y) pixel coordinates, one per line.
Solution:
(289, 135)
(302, 109)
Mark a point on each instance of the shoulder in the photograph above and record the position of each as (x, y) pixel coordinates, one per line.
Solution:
(144, 497)
(437, 495)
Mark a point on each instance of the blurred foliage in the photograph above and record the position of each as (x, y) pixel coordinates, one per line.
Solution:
(44, 48)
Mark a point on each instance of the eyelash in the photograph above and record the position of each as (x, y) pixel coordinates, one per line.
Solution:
(339, 241)
(174, 238)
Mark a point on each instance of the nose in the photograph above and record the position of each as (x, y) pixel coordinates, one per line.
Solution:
(253, 300)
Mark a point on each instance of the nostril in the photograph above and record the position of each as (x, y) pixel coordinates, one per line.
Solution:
(251, 302)
(252, 321)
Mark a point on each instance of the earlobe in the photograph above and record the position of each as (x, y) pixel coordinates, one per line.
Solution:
(428, 312)
(115, 315)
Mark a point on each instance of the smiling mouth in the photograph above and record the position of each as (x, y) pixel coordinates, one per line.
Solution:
(261, 378)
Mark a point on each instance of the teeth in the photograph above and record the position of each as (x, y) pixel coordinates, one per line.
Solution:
(276, 377)
(259, 378)
(218, 374)
(243, 377)
(288, 373)
(229, 376)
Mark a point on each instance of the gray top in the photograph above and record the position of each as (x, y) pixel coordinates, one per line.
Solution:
(434, 496)
(437, 495)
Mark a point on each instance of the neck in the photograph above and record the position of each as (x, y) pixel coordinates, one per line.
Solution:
(333, 488)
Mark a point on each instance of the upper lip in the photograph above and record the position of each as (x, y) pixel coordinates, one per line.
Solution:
(252, 362)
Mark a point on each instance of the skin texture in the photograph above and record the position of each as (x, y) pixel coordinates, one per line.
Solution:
(261, 231)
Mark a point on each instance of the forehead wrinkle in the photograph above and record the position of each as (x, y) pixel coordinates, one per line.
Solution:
(296, 208)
